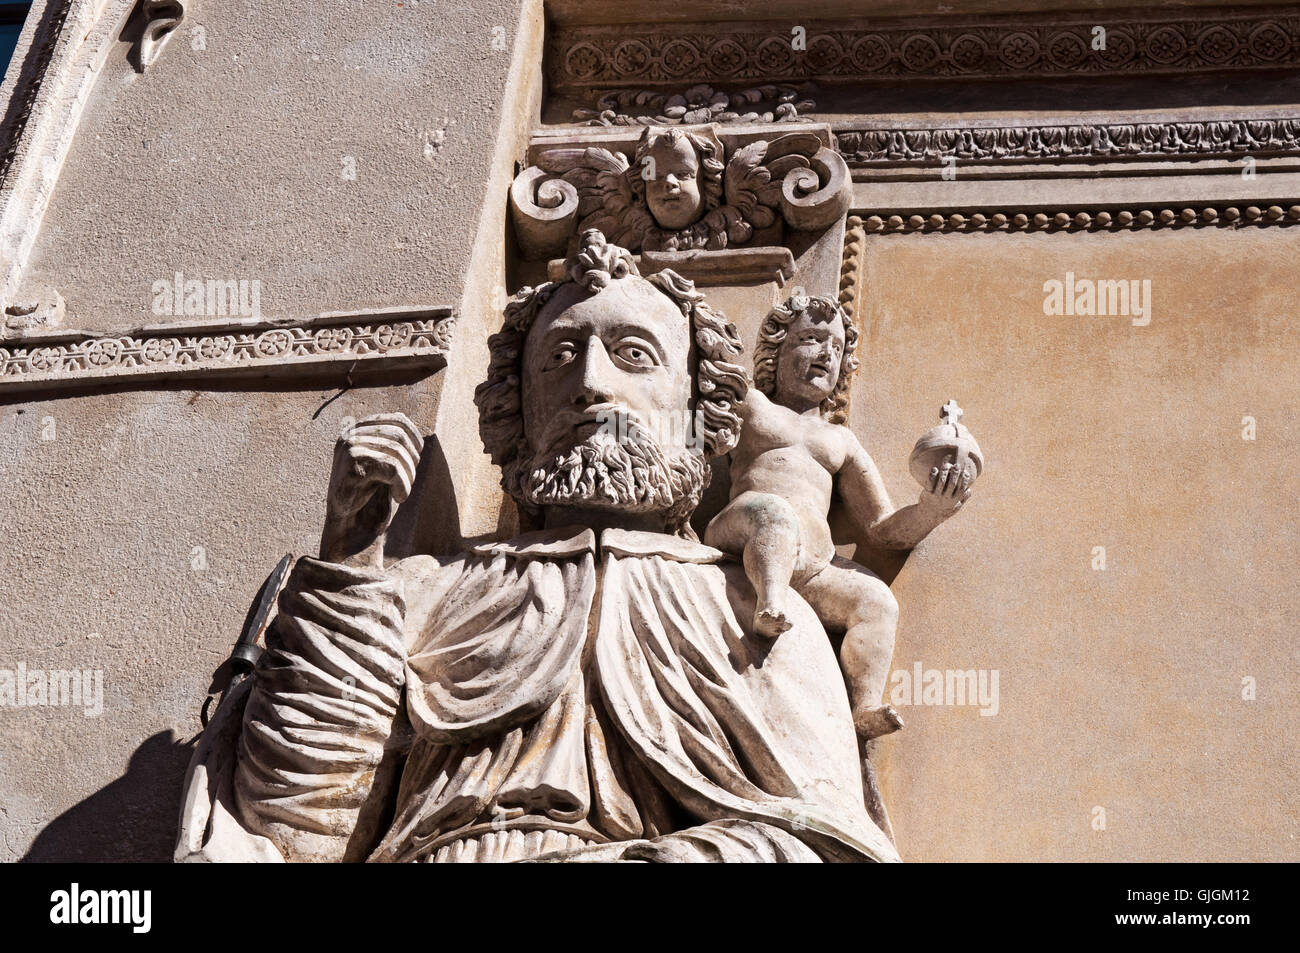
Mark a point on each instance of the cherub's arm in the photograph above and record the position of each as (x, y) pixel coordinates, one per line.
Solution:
(873, 516)
(755, 406)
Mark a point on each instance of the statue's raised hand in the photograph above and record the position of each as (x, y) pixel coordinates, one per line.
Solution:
(949, 487)
(374, 467)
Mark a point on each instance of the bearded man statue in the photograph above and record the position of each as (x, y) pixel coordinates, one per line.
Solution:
(590, 690)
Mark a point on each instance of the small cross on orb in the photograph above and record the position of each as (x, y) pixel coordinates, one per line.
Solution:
(950, 413)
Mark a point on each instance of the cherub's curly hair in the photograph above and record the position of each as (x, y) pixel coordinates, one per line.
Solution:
(711, 164)
(772, 332)
(720, 381)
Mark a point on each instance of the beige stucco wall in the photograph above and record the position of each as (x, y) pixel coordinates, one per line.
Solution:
(1121, 688)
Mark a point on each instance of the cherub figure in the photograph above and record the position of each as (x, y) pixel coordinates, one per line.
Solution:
(795, 453)
(679, 177)
(680, 190)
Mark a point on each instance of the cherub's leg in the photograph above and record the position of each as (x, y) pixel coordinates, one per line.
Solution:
(845, 595)
(764, 531)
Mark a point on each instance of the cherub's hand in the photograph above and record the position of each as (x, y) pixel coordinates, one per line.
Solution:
(374, 467)
(949, 488)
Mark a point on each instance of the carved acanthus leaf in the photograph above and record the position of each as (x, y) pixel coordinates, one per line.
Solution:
(699, 104)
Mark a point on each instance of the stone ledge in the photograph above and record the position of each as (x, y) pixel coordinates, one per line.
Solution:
(1081, 219)
(741, 266)
(330, 345)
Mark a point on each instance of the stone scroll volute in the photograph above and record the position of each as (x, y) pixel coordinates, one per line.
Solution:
(680, 188)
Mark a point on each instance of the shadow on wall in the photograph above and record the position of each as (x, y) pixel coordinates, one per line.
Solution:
(134, 818)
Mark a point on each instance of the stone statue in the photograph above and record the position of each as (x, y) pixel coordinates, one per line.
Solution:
(592, 690)
(680, 190)
(794, 452)
(674, 163)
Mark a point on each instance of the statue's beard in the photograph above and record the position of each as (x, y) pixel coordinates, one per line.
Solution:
(634, 474)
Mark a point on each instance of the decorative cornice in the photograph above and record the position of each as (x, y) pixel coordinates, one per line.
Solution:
(1020, 46)
(1082, 219)
(1078, 142)
(51, 85)
(332, 343)
(728, 266)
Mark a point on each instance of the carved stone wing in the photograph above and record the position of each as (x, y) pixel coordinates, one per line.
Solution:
(571, 190)
(808, 181)
(605, 198)
(751, 189)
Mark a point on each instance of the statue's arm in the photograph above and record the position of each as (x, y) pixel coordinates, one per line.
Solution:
(756, 406)
(869, 510)
(319, 721)
(321, 731)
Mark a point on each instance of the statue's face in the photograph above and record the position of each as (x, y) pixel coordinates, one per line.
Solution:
(606, 393)
(673, 192)
(808, 366)
(625, 348)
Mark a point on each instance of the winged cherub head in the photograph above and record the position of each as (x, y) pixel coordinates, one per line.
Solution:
(678, 175)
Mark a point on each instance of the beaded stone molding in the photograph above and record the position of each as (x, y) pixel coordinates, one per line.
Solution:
(1080, 220)
(331, 345)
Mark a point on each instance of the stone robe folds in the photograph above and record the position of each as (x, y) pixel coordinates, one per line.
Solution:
(542, 698)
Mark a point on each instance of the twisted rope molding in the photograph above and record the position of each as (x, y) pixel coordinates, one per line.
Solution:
(851, 264)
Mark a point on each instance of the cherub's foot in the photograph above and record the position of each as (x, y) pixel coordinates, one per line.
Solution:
(877, 720)
(770, 622)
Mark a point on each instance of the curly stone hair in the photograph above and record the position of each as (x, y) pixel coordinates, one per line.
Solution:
(720, 381)
(711, 164)
(772, 332)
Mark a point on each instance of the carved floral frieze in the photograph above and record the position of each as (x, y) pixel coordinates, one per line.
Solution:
(63, 358)
(1075, 141)
(1042, 45)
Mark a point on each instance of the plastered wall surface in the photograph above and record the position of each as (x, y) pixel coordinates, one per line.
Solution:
(1119, 688)
(227, 163)
(137, 536)
(337, 152)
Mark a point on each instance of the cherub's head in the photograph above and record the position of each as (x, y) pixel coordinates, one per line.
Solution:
(679, 174)
(805, 355)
